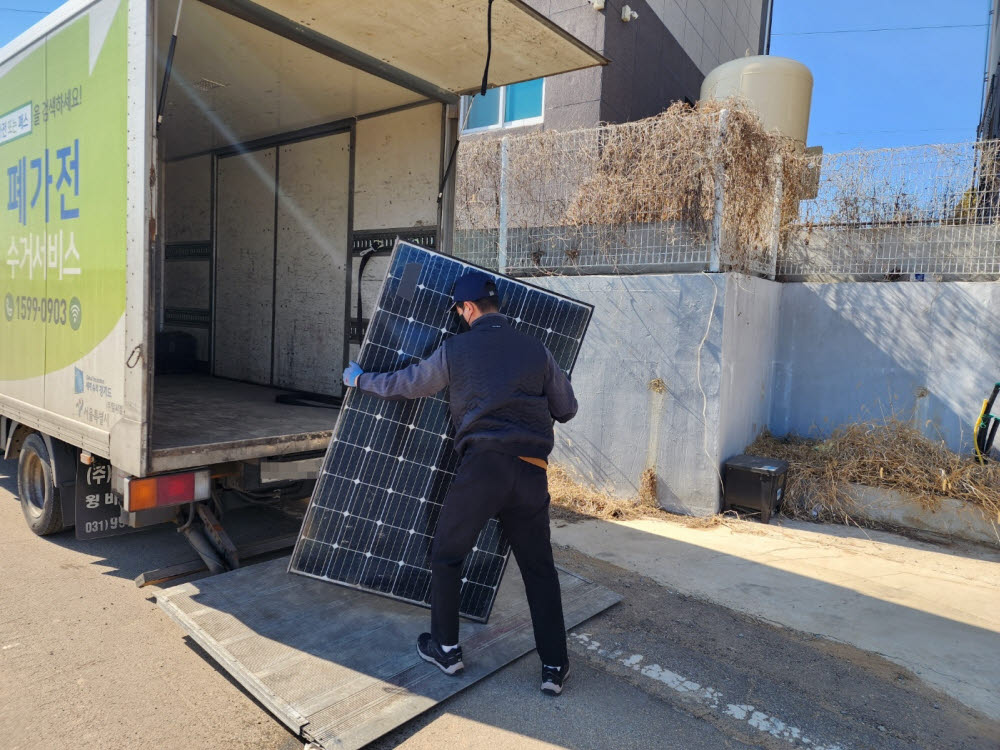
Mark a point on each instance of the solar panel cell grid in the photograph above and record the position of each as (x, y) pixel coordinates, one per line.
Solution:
(385, 476)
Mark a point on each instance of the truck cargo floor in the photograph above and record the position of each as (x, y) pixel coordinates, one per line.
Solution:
(199, 419)
(339, 666)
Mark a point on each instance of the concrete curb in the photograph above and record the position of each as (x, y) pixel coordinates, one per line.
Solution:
(954, 518)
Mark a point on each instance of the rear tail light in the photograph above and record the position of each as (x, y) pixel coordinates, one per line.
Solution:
(168, 489)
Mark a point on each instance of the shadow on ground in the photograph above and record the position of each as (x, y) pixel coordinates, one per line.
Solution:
(832, 690)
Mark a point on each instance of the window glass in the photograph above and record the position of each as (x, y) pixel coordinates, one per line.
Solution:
(485, 110)
(524, 101)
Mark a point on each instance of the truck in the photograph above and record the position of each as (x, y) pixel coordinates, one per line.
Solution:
(199, 195)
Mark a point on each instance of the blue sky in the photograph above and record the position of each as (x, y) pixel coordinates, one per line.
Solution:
(889, 88)
(17, 15)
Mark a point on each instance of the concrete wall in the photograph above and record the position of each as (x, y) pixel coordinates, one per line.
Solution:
(801, 358)
(749, 347)
(854, 351)
(646, 328)
(710, 340)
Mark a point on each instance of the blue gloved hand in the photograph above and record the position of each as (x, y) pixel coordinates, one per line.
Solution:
(351, 374)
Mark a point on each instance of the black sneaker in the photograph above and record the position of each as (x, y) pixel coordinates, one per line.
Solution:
(553, 679)
(430, 650)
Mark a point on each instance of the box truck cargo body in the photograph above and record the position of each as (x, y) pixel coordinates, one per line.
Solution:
(184, 228)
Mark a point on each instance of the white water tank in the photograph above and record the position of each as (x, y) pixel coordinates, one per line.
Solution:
(779, 89)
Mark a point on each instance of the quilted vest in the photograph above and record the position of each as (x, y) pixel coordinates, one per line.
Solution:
(497, 402)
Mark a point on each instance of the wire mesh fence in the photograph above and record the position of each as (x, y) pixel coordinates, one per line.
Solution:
(708, 190)
(893, 214)
(587, 201)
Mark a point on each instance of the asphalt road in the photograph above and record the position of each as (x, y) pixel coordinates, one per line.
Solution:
(87, 660)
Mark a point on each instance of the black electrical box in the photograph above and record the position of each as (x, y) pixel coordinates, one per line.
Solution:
(755, 485)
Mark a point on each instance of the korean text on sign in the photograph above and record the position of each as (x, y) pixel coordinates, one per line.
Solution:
(15, 124)
(39, 174)
(53, 254)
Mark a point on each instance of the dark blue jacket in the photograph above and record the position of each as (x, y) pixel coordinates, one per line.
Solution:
(505, 388)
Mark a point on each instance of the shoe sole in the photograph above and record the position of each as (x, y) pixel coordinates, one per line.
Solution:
(454, 668)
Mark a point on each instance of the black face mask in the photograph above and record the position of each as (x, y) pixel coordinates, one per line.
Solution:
(458, 324)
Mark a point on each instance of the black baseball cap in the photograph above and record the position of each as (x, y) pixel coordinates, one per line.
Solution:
(473, 286)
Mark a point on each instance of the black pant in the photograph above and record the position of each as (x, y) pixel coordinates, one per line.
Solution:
(490, 484)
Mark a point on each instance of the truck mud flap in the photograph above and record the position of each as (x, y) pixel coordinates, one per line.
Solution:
(97, 510)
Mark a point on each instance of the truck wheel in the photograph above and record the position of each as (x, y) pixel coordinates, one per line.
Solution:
(36, 488)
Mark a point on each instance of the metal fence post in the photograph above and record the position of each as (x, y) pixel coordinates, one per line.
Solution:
(779, 188)
(715, 248)
(504, 198)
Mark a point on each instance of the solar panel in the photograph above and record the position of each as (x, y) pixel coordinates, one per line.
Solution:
(375, 507)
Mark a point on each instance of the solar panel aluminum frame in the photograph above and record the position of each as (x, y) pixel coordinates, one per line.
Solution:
(353, 395)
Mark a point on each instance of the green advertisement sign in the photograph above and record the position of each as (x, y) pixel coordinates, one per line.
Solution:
(62, 218)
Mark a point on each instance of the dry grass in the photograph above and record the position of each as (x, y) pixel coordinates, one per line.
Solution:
(568, 493)
(894, 455)
(647, 490)
(576, 500)
(667, 172)
(662, 169)
(947, 184)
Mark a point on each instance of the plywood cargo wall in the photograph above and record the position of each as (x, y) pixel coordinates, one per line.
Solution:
(188, 200)
(397, 175)
(311, 268)
(397, 169)
(245, 266)
(186, 283)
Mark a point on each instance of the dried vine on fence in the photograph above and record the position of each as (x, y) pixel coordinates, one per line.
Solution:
(618, 193)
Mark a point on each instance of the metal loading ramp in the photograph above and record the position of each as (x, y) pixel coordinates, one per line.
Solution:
(339, 666)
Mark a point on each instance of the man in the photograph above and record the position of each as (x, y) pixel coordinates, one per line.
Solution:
(505, 390)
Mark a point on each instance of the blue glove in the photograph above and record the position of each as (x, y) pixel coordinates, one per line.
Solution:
(352, 373)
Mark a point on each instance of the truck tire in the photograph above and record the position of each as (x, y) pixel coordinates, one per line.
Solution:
(39, 495)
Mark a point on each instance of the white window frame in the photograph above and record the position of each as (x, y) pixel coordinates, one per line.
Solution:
(467, 99)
